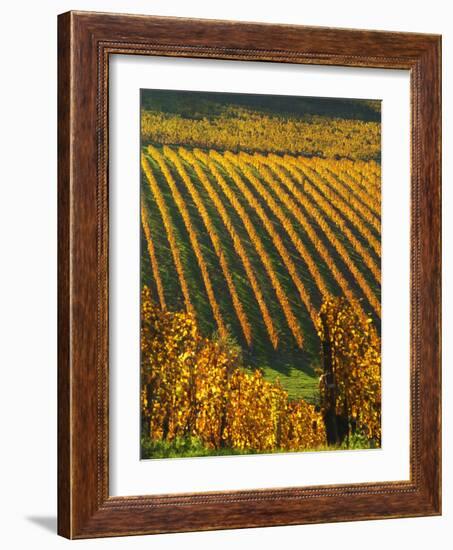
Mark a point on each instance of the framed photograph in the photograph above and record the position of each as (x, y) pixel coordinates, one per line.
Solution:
(249, 275)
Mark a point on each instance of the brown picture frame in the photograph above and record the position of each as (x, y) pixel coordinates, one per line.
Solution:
(85, 42)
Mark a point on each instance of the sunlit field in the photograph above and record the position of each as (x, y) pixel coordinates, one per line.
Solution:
(260, 275)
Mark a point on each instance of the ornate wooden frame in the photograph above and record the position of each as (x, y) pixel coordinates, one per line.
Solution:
(85, 41)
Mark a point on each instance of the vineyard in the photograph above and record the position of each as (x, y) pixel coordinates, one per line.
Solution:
(241, 122)
(252, 244)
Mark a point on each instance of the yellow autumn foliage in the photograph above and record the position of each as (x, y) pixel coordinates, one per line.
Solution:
(193, 386)
(354, 353)
(320, 136)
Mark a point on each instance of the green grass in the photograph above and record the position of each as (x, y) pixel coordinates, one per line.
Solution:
(182, 447)
(189, 447)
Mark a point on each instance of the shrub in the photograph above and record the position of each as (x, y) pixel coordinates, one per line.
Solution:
(193, 387)
(351, 383)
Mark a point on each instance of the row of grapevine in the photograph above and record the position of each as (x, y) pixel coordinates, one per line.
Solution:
(239, 162)
(299, 194)
(341, 204)
(152, 254)
(155, 190)
(181, 204)
(340, 248)
(356, 186)
(257, 242)
(342, 190)
(197, 164)
(240, 313)
(337, 217)
(369, 182)
(287, 224)
(370, 170)
(314, 214)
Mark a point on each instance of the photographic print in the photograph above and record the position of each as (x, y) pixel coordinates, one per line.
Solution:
(260, 274)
